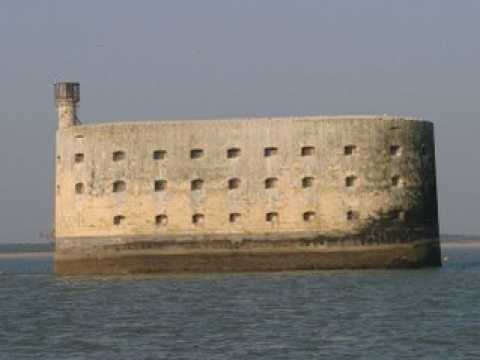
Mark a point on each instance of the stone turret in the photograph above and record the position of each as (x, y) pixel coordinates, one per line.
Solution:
(67, 96)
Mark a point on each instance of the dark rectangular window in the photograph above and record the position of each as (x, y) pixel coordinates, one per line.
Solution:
(352, 215)
(270, 151)
(395, 150)
(118, 220)
(198, 219)
(308, 151)
(234, 217)
(308, 216)
(234, 183)
(349, 150)
(119, 186)
(270, 183)
(79, 188)
(79, 157)
(350, 181)
(160, 185)
(196, 184)
(271, 217)
(233, 153)
(161, 219)
(159, 154)
(307, 181)
(196, 153)
(118, 155)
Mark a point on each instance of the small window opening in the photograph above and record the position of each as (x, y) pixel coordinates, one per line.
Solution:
(79, 137)
(395, 150)
(233, 153)
(234, 183)
(270, 183)
(352, 215)
(161, 219)
(196, 184)
(119, 186)
(270, 151)
(198, 219)
(308, 150)
(350, 150)
(118, 219)
(118, 155)
(350, 181)
(196, 153)
(234, 217)
(307, 182)
(396, 181)
(271, 217)
(159, 154)
(398, 214)
(424, 150)
(79, 157)
(160, 185)
(309, 216)
(79, 188)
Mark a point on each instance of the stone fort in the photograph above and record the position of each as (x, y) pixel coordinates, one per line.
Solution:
(273, 193)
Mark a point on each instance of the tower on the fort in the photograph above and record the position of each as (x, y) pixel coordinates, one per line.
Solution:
(67, 96)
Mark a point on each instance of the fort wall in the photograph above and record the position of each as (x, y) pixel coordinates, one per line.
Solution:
(259, 194)
(334, 176)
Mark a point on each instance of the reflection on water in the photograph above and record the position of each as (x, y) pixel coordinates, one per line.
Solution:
(407, 314)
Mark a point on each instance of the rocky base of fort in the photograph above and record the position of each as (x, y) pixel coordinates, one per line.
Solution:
(226, 256)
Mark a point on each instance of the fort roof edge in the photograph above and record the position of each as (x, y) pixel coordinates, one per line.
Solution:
(256, 119)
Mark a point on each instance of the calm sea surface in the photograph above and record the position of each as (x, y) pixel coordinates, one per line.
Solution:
(414, 314)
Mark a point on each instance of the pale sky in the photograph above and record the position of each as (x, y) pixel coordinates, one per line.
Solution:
(224, 58)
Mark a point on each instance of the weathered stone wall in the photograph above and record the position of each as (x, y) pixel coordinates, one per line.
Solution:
(391, 173)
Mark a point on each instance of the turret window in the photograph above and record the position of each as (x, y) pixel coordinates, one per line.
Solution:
(118, 220)
(160, 185)
(118, 155)
(234, 183)
(196, 153)
(271, 217)
(161, 220)
(119, 186)
(270, 183)
(234, 217)
(196, 184)
(308, 151)
(308, 216)
(79, 188)
(159, 154)
(79, 157)
(198, 219)
(233, 153)
(270, 151)
(308, 181)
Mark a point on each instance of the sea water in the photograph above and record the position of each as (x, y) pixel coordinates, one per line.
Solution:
(373, 314)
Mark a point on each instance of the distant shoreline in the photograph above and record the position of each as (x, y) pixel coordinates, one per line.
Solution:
(460, 243)
(19, 255)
